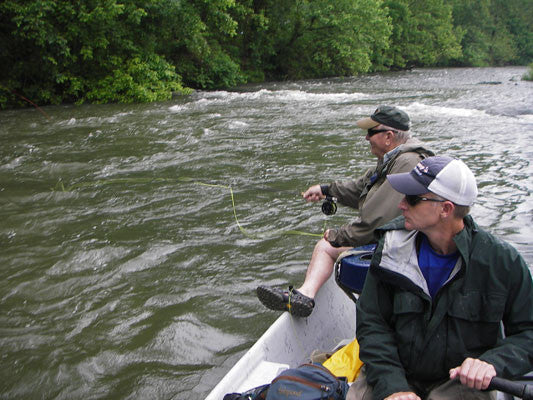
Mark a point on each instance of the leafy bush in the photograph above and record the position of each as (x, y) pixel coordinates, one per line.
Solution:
(137, 80)
(56, 51)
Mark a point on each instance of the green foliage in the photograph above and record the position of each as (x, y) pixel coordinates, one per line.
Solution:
(253, 44)
(317, 38)
(496, 32)
(475, 20)
(64, 50)
(334, 39)
(56, 51)
(136, 80)
(195, 37)
(515, 28)
(423, 33)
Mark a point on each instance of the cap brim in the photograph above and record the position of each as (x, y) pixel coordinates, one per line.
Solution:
(367, 123)
(405, 183)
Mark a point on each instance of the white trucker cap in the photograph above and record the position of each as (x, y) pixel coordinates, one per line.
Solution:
(444, 176)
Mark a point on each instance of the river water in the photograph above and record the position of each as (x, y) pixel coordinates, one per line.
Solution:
(123, 271)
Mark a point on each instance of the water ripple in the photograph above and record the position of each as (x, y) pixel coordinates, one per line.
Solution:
(124, 273)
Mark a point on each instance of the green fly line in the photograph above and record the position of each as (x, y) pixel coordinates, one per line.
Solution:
(264, 235)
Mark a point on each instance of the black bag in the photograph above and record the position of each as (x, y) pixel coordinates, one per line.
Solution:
(258, 393)
(307, 382)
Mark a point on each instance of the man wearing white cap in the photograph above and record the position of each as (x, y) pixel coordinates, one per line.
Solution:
(438, 291)
(387, 131)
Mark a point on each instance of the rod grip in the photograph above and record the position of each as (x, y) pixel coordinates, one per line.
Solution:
(517, 389)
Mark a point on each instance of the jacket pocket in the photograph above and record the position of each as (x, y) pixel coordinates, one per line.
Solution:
(407, 319)
(475, 317)
(407, 303)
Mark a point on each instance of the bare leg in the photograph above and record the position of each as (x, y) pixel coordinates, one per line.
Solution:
(300, 303)
(320, 267)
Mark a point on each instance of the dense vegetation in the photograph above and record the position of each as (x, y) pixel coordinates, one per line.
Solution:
(56, 51)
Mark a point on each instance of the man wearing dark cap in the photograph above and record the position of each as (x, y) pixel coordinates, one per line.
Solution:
(387, 132)
(438, 292)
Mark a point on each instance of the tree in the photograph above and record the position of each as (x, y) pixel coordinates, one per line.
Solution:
(56, 51)
(423, 34)
(496, 32)
(514, 36)
(74, 50)
(195, 36)
(314, 38)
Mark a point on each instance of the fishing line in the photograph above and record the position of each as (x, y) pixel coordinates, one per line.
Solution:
(264, 235)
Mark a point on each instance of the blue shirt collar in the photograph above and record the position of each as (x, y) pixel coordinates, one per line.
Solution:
(390, 154)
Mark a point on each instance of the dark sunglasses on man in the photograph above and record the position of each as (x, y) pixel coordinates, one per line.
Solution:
(413, 199)
(372, 132)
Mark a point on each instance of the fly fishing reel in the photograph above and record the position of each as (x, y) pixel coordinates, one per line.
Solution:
(329, 206)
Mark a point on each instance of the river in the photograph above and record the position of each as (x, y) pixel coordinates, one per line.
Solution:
(124, 273)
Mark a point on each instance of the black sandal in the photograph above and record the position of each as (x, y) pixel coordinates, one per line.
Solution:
(292, 300)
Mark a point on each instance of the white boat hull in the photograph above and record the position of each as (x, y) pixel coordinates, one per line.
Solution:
(290, 341)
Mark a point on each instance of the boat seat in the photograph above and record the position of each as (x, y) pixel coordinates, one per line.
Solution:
(351, 268)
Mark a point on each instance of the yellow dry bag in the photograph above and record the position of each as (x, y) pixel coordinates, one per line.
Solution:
(345, 361)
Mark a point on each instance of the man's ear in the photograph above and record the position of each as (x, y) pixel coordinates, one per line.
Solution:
(390, 138)
(448, 208)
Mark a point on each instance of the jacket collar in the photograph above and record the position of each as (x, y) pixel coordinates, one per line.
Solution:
(399, 249)
(463, 240)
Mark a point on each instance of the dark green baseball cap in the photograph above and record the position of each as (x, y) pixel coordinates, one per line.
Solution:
(386, 115)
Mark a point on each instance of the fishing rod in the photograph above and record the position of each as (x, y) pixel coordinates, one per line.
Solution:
(26, 100)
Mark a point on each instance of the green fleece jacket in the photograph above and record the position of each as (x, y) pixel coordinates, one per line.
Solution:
(409, 340)
(373, 195)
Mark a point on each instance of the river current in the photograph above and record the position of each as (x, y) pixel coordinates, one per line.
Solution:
(133, 236)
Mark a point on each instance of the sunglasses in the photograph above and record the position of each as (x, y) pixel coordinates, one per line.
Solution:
(372, 132)
(413, 199)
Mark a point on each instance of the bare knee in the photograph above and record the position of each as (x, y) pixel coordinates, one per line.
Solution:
(325, 247)
(322, 245)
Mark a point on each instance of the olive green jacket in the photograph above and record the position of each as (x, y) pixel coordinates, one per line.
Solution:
(373, 195)
(409, 340)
